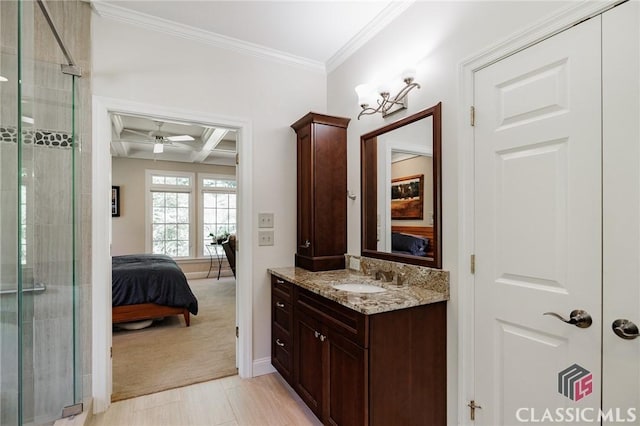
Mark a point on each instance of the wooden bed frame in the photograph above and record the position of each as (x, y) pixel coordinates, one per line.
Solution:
(144, 311)
(418, 231)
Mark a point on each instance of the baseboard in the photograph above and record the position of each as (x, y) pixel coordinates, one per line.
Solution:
(202, 275)
(262, 366)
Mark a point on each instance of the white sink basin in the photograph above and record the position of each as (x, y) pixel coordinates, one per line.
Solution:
(359, 288)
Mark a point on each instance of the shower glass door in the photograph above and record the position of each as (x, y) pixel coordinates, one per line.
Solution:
(38, 154)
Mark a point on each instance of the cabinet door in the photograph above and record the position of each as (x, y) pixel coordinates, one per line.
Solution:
(305, 192)
(308, 361)
(347, 403)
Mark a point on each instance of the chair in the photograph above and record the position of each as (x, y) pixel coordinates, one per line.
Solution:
(229, 247)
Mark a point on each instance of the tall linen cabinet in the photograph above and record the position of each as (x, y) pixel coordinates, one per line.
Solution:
(322, 191)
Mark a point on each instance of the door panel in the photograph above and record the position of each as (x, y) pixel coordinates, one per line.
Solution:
(621, 203)
(347, 374)
(538, 222)
(308, 362)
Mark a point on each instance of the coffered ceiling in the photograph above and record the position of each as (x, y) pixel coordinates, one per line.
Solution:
(135, 137)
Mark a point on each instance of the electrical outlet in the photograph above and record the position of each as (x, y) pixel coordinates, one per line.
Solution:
(265, 220)
(265, 238)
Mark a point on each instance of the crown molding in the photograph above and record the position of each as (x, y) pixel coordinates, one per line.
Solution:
(143, 20)
(377, 24)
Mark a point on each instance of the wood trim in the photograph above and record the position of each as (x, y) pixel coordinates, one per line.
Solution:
(368, 192)
(144, 311)
(420, 231)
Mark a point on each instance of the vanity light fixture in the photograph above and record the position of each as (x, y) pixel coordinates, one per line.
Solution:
(386, 104)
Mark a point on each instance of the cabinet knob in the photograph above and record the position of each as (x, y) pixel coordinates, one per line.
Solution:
(280, 304)
(323, 337)
(279, 343)
(317, 334)
(279, 281)
(306, 244)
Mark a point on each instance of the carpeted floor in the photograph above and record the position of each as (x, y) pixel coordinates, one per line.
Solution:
(169, 355)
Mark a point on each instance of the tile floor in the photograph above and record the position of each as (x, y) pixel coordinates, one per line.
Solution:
(260, 401)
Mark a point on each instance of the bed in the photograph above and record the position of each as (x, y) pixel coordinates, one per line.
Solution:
(147, 286)
(413, 240)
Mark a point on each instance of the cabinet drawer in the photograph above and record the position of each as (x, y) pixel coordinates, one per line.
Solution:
(341, 319)
(281, 311)
(281, 351)
(282, 287)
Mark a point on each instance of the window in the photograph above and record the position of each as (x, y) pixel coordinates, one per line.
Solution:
(218, 211)
(170, 213)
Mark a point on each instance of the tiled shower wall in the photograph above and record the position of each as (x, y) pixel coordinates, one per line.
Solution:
(47, 154)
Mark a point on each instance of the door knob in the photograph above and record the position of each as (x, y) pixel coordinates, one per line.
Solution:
(625, 329)
(577, 317)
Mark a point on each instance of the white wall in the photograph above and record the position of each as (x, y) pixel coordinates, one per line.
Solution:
(128, 230)
(150, 67)
(437, 36)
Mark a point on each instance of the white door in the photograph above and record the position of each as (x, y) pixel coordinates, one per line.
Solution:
(621, 204)
(538, 229)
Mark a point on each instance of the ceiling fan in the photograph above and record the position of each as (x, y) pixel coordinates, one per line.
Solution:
(160, 138)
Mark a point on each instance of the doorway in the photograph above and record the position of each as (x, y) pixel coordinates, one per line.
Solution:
(176, 196)
(101, 265)
(544, 245)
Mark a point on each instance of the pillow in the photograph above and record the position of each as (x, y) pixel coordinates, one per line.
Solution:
(417, 246)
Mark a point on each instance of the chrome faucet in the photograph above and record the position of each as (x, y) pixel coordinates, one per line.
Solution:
(386, 276)
(400, 278)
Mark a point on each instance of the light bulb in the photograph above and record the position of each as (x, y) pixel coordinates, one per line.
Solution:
(365, 93)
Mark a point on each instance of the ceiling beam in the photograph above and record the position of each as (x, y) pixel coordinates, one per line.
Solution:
(117, 124)
(210, 144)
(120, 149)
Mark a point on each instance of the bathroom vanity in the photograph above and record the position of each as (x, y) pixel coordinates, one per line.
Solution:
(362, 358)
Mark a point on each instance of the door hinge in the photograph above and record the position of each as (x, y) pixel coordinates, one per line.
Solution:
(237, 332)
(472, 409)
(111, 352)
(472, 116)
(472, 263)
(237, 158)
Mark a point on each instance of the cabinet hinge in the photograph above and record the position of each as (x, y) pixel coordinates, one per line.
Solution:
(472, 409)
(237, 332)
(472, 263)
(472, 116)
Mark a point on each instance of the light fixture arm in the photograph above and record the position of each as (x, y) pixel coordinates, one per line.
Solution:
(385, 102)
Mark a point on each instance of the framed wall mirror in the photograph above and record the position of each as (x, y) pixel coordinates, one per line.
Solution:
(401, 190)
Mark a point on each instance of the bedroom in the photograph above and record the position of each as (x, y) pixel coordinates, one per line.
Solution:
(174, 194)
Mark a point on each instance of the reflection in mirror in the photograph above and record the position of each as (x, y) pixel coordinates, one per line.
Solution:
(401, 190)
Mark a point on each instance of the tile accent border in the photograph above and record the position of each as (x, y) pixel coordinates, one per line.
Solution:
(37, 137)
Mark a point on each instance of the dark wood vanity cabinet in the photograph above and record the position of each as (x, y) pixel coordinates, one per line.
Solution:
(329, 368)
(356, 369)
(321, 145)
(281, 326)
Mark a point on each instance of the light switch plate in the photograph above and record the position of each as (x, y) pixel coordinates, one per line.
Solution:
(265, 238)
(265, 220)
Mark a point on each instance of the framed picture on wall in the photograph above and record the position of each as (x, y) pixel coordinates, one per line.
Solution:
(407, 197)
(115, 201)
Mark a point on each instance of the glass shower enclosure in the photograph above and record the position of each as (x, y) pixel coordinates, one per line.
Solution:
(39, 174)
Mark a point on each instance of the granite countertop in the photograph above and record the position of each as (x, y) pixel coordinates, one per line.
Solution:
(430, 289)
